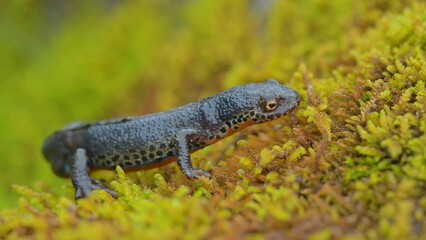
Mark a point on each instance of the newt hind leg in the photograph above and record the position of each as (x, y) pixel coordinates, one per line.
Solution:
(83, 183)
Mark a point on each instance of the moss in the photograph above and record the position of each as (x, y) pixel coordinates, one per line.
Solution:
(350, 163)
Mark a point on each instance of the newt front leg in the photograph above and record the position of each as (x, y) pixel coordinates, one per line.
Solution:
(183, 139)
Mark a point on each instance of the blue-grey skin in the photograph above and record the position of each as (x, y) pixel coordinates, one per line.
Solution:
(151, 140)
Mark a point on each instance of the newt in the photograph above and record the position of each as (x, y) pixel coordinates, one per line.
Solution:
(152, 140)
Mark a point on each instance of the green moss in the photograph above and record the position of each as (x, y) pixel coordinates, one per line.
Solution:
(350, 163)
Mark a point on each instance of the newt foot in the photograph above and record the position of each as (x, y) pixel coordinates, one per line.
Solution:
(197, 173)
(82, 191)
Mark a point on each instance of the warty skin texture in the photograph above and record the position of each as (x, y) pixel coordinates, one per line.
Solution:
(152, 140)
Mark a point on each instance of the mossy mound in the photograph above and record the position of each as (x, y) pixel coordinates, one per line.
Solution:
(350, 163)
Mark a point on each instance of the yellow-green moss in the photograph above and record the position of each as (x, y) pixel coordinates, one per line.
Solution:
(350, 163)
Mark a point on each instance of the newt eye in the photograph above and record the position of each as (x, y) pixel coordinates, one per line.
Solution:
(271, 105)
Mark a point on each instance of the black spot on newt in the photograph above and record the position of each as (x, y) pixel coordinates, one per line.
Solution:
(115, 158)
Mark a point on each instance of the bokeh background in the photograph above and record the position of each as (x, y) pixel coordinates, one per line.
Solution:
(62, 61)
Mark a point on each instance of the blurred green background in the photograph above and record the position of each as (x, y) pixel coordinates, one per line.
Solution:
(64, 61)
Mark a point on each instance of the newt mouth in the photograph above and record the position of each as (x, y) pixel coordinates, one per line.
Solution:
(295, 105)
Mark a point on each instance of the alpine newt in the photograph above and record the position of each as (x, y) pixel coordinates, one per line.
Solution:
(153, 140)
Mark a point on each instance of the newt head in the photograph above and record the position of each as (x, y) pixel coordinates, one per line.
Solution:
(261, 102)
(276, 100)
